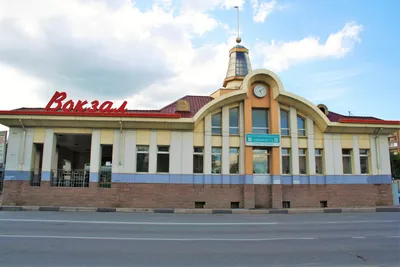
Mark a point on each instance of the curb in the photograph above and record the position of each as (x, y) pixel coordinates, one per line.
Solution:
(202, 211)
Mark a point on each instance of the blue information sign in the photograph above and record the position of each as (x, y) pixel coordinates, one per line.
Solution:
(263, 139)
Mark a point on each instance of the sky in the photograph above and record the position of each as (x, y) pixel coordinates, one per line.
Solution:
(341, 53)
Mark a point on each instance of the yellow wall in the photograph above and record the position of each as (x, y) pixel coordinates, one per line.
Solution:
(198, 134)
(38, 135)
(216, 141)
(163, 137)
(72, 130)
(318, 137)
(285, 142)
(234, 141)
(303, 142)
(143, 137)
(347, 140)
(364, 141)
(107, 137)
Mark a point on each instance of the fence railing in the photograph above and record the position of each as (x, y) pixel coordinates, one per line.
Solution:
(69, 178)
(1, 179)
(36, 177)
(105, 179)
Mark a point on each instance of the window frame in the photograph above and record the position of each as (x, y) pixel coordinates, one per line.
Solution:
(301, 130)
(216, 154)
(303, 156)
(289, 161)
(363, 156)
(268, 172)
(216, 127)
(320, 156)
(163, 153)
(196, 153)
(148, 157)
(257, 127)
(237, 154)
(288, 122)
(350, 155)
(234, 127)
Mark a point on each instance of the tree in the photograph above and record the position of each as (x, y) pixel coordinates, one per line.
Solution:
(395, 165)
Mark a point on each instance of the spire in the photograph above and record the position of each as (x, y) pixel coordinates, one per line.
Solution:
(239, 62)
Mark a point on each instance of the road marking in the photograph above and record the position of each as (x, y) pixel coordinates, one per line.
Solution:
(194, 223)
(140, 223)
(154, 239)
(394, 236)
(358, 237)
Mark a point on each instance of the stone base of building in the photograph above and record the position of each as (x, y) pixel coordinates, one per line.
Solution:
(192, 195)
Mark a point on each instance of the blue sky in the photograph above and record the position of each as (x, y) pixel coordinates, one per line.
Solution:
(340, 53)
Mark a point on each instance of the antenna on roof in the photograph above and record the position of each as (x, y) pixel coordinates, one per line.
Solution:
(350, 114)
(238, 39)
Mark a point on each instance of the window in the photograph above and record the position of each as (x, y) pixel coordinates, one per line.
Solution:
(216, 160)
(302, 161)
(261, 160)
(142, 159)
(260, 121)
(163, 159)
(241, 64)
(364, 161)
(234, 121)
(285, 160)
(301, 126)
(318, 161)
(285, 123)
(198, 160)
(346, 157)
(233, 160)
(216, 123)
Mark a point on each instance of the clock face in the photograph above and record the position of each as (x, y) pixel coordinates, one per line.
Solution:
(260, 90)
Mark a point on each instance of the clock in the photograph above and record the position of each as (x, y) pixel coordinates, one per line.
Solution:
(260, 90)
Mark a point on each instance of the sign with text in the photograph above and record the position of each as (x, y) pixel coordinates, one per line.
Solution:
(253, 139)
(57, 103)
(3, 142)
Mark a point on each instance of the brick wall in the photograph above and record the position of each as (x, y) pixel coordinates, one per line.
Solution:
(184, 195)
(337, 195)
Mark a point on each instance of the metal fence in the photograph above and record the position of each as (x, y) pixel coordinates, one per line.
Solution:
(105, 179)
(69, 178)
(1, 179)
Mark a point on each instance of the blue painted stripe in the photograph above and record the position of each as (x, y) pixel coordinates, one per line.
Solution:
(46, 176)
(94, 177)
(17, 175)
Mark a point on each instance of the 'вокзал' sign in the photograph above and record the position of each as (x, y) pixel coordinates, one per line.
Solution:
(56, 103)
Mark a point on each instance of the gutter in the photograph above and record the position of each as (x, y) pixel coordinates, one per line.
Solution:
(378, 161)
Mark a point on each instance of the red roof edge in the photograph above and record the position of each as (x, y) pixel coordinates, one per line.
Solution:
(363, 121)
(92, 114)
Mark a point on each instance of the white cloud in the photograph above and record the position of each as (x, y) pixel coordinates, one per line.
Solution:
(261, 10)
(280, 56)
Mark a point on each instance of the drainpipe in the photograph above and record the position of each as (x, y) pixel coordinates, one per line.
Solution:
(23, 143)
(378, 161)
(120, 143)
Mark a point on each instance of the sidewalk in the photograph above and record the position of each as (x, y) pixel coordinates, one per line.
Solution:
(205, 211)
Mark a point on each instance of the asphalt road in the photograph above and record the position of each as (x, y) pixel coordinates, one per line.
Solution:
(115, 239)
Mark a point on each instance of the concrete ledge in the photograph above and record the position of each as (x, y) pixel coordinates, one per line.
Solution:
(305, 210)
(203, 211)
(30, 208)
(75, 209)
(45, 208)
(106, 210)
(163, 210)
(221, 211)
(90, 209)
(11, 208)
(388, 209)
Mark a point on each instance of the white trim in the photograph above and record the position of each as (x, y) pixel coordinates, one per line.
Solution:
(337, 154)
(117, 165)
(384, 155)
(242, 139)
(186, 152)
(207, 144)
(153, 152)
(130, 151)
(374, 166)
(329, 163)
(95, 151)
(175, 159)
(28, 150)
(311, 146)
(49, 148)
(294, 142)
(225, 140)
(356, 156)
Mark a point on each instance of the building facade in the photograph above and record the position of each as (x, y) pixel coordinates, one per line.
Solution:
(251, 144)
(394, 140)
